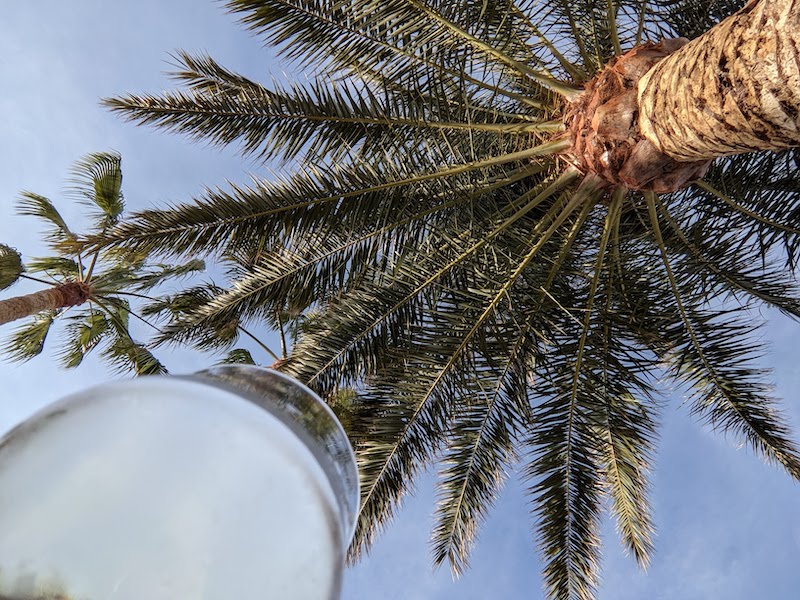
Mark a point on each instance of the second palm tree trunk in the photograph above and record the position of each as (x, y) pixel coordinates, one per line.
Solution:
(59, 296)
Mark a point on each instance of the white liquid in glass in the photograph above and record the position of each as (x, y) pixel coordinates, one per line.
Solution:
(167, 488)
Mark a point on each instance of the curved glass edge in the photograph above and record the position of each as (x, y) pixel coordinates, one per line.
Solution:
(308, 417)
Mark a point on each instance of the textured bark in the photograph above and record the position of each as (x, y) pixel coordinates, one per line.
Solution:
(604, 130)
(734, 89)
(60, 296)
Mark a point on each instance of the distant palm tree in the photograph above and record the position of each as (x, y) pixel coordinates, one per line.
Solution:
(92, 299)
(509, 218)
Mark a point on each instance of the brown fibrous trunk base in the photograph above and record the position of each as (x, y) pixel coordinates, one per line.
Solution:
(604, 126)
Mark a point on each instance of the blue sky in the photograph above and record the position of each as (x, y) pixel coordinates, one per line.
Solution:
(729, 527)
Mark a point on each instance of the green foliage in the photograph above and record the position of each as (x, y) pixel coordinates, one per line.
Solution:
(103, 322)
(485, 302)
(10, 266)
(34, 205)
(28, 340)
(97, 182)
(238, 356)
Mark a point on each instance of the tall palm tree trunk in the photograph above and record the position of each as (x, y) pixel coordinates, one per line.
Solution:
(59, 296)
(734, 89)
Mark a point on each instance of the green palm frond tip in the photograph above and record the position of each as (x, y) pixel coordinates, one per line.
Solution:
(96, 180)
(10, 266)
(238, 356)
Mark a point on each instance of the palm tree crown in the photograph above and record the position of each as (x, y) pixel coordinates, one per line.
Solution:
(489, 292)
(89, 293)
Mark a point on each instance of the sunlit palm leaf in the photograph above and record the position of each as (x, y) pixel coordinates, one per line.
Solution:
(28, 340)
(480, 449)
(97, 182)
(81, 335)
(34, 205)
(323, 120)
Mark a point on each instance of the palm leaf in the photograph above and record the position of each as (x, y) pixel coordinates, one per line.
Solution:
(323, 120)
(10, 266)
(227, 220)
(58, 266)
(97, 181)
(81, 335)
(28, 340)
(34, 205)
(479, 450)
(183, 328)
(711, 355)
(238, 356)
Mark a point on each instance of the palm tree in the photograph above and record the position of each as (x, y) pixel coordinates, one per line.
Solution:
(92, 298)
(515, 221)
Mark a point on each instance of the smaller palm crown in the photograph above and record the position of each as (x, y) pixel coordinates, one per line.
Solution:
(95, 290)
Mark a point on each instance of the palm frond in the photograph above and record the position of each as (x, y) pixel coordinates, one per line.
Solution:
(82, 333)
(238, 356)
(268, 210)
(730, 268)
(480, 449)
(34, 205)
(630, 431)
(28, 340)
(144, 277)
(58, 266)
(714, 355)
(97, 182)
(376, 37)
(120, 350)
(322, 120)
(758, 195)
(567, 454)
(10, 266)
(124, 355)
(181, 327)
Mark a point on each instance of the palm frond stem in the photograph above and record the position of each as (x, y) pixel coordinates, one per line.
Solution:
(36, 279)
(704, 185)
(261, 344)
(743, 284)
(577, 34)
(576, 73)
(611, 12)
(282, 334)
(88, 276)
(556, 213)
